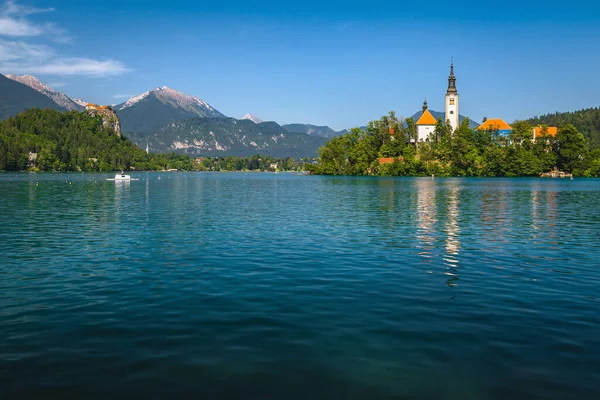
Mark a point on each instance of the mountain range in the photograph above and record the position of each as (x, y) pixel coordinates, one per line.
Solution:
(58, 97)
(154, 109)
(165, 120)
(16, 97)
(253, 118)
(311, 130)
(228, 136)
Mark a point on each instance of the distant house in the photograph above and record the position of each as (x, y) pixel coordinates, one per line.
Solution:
(390, 160)
(497, 126)
(387, 160)
(32, 159)
(425, 125)
(541, 131)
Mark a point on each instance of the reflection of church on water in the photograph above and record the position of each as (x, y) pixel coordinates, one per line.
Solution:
(452, 234)
(438, 229)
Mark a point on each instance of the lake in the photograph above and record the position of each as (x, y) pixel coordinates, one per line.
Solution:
(279, 286)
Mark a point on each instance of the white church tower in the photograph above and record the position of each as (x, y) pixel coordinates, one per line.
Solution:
(452, 100)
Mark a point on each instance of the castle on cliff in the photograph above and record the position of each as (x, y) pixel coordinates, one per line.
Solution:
(110, 119)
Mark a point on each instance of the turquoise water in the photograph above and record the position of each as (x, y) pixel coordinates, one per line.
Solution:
(233, 285)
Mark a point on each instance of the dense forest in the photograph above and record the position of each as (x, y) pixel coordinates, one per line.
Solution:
(465, 152)
(74, 141)
(586, 121)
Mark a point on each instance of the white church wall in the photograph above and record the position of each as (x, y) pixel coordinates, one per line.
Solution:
(423, 132)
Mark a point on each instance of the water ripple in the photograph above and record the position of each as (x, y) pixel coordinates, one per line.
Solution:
(284, 286)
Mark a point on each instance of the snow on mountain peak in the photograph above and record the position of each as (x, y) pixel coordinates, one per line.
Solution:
(252, 118)
(32, 82)
(134, 100)
(80, 102)
(58, 97)
(176, 99)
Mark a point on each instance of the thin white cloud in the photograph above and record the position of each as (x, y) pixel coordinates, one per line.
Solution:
(19, 56)
(17, 50)
(18, 27)
(69, 67)
(12, 8)
(56, 85)
(14, 22)
(57, 33)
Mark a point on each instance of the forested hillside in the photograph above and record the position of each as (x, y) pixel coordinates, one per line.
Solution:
(586, 121)
(48, 140)
(65, 141)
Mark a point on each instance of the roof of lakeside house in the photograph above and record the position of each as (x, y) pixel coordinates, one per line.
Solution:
(494, 124)
(426, 119)
(551, 130)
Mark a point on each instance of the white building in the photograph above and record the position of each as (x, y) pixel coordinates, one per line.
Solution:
(425, 125)
(426, 122)
(452, 100)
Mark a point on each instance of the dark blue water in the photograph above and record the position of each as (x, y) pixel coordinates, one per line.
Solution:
(281, 286)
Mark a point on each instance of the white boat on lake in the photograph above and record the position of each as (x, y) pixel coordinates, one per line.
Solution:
(122, 177)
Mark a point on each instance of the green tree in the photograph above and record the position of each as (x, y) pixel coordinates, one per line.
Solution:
(571, 150)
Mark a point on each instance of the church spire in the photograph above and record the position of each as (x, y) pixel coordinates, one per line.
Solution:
(451, 79)
(425, 105)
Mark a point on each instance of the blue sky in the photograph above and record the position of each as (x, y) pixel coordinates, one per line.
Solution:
(337, 63)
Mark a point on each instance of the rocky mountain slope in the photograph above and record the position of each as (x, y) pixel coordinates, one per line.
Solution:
(228, 137)
(16, 97)
(109, 117)
(253, 118)
(58, 97)
(312, 130)
(154, 109)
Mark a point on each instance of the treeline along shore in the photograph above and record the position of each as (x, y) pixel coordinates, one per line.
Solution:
(389, 147)
(49, 140)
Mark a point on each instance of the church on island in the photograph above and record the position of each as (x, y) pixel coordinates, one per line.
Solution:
(426, 122)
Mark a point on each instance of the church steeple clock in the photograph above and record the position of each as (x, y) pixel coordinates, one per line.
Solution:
(452, 100)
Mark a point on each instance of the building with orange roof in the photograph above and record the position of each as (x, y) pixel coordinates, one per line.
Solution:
(386, 160)
(92, 106)
(425, 124)
(541, 131)
(497, 125)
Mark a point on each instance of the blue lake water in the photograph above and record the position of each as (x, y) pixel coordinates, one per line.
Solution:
(234, 285)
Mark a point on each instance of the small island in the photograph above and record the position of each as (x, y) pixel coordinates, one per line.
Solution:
(450, 145)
